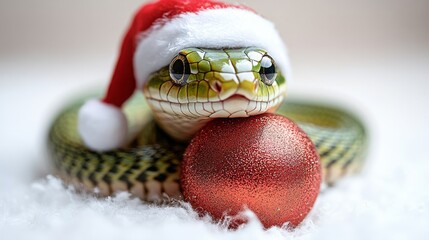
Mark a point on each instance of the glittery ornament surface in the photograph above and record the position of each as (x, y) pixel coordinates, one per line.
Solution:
(265, 163)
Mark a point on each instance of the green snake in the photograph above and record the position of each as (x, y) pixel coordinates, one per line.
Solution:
(198, 86)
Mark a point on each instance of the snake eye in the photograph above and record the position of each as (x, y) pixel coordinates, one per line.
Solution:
(268, 70)
(180, 70)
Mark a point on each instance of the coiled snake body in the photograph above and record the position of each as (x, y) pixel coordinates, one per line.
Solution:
(199, 85)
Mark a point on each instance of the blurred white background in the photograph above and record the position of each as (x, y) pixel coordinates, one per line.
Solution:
(370, 56)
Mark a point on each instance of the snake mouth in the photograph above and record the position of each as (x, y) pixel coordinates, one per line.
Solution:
(237, 106)
(237, 97)
(182, 120)
(232, 107)
(240, 106)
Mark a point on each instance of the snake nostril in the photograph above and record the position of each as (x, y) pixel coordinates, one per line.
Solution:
(217, 86)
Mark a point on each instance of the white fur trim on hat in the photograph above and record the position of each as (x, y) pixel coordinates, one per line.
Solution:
(214, 28)
(102, 126)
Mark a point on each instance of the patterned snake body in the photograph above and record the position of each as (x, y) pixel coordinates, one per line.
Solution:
(198, 86)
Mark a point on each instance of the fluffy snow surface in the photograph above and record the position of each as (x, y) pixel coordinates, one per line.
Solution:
(356, 209)
(389, 200)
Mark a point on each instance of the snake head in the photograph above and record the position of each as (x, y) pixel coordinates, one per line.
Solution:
(201, 84)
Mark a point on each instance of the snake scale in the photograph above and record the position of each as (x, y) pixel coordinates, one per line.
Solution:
(199, 85)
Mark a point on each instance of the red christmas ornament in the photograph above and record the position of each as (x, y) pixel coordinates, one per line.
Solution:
(265, 163)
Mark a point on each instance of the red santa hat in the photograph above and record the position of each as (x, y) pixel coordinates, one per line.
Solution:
(158, 32)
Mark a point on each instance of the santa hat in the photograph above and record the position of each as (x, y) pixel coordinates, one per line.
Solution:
(158, 32)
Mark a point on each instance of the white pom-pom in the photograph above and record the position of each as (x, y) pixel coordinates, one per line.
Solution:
(102, 126)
